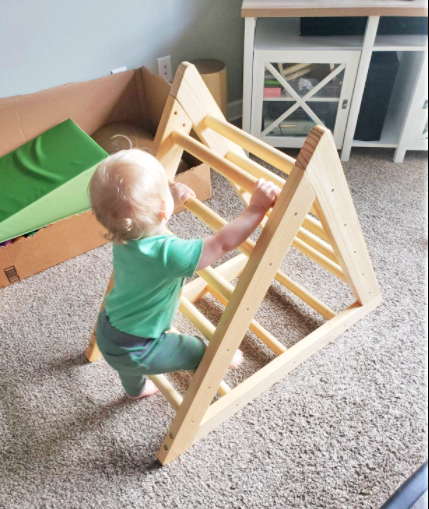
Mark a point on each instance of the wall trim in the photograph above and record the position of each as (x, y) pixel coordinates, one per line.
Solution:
(235, 110)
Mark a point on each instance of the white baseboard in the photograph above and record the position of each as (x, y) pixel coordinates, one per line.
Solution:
(235, 110)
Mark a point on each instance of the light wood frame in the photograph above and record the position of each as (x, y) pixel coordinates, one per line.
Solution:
(316, 182)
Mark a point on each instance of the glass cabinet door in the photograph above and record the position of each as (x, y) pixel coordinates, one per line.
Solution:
(291, 97)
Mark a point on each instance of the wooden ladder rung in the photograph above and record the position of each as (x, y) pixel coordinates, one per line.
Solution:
(316, 255)
(267, 153)
(317, 244)
(197, 318)
(258, 171)
(305, 296)
(224, 388)
(315, 226)
(223, 290)
(320, 259)
(221, 165)
(254, 168)
(234, 173)
(167, 390)
(215, 222)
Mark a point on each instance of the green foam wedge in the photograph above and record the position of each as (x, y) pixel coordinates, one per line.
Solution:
(47, 179)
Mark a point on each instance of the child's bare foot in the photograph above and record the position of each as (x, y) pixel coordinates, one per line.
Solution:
(149, 390)
(237, 361)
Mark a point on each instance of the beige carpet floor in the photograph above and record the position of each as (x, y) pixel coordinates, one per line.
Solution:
(342, 431)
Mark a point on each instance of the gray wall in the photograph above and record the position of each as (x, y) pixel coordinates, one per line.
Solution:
(45, 43)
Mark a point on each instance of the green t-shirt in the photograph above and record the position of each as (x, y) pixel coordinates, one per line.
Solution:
(149, 276)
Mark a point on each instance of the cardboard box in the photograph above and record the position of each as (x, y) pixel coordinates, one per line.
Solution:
(137, 97)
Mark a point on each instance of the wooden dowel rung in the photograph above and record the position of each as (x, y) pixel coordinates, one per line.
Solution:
(197, 318)
(254, 168)
(320, 259)
(317, 244)
(258, 171)
(215, 222)
(267, 153)
(223, 389)
(223, 290)
(315, 227)
(229, 170)
(167, 390)
(217, 282)
(233, 269)
(305, 296)
(315, 255)
(259, 331)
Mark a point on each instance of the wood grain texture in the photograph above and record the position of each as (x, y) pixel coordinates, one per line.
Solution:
(215, 222)
(192, 94)
(276, 239)
(320, 159)
(317, 8)
(93, 353)
(229, 170)
(230, 270)
(168, 153)
(250, 389)
(167, 390)
(257, 171)
(257, 147)
(223, 291)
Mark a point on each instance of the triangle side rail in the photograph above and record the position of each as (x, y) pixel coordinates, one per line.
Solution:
(315, 227)
(93, 353)
(276, 239)
(206, 328)
(319, 158)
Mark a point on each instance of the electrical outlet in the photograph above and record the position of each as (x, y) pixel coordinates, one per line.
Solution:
(165, 68)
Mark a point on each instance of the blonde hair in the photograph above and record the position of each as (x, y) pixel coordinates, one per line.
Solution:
(127, 193)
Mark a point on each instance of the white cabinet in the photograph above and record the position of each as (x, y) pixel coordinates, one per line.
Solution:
(293, 83)
(296, 90)
(414, 135)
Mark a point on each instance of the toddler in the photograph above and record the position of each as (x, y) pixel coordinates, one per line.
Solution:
(131, 197)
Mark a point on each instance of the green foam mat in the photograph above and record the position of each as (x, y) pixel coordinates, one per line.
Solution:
(46, 179)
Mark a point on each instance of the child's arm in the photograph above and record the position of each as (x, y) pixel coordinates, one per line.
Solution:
(238, 231)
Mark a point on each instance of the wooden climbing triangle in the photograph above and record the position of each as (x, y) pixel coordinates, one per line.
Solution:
(314, 214)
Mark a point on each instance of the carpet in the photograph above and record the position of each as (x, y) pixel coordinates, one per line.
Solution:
(344, 430)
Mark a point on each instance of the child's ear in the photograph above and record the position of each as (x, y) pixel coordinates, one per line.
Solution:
(162, 212)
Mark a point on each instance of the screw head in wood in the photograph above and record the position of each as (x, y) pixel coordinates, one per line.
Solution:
(166, 447)
(171, 436)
